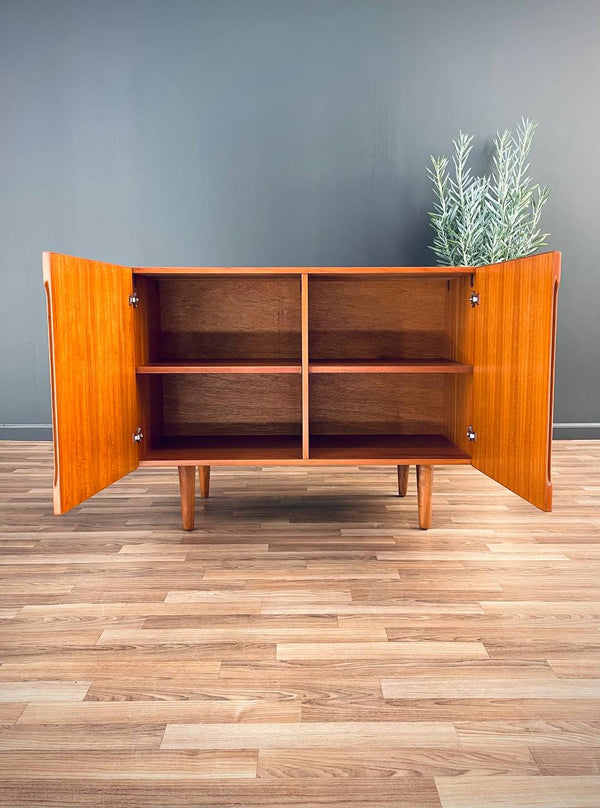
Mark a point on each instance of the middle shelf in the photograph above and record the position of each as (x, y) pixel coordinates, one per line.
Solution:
(275, 366)
(246, 366)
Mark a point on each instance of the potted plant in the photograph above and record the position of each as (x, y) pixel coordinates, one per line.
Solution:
(481, 220)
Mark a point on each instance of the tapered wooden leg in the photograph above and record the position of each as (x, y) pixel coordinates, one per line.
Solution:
(424, 491)
(402, 480)
(187, 492)
(204, 475)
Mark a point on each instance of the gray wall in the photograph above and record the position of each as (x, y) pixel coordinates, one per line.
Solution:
(280, 132)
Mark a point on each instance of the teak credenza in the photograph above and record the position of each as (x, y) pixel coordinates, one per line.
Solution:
(204, 366)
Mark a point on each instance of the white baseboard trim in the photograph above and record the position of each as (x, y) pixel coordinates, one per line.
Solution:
(25, 426)
(576, 426)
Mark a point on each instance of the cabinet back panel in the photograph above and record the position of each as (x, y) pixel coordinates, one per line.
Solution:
(377, 319)
(377, 404)
(219, 404)
(229, 318)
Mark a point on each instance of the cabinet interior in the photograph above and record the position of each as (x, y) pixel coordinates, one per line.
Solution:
(247, 367)
(377, 318)
(231, 318)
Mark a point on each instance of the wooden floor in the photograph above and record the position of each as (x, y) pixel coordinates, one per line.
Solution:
(306, 646)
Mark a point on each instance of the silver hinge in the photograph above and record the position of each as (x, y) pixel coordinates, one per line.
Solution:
(139, 435)
(471, 435)
(134, 299)
(474, 299)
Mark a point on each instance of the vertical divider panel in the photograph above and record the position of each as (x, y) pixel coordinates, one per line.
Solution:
(305, 375)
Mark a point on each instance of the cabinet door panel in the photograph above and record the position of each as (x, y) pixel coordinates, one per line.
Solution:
(513, 374)
(90, 325)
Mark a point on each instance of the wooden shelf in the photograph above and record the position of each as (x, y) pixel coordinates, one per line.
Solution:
(318, 366)
(224, 366)
(225, 450)
(397, 449)
(389, 366)
(248, 450)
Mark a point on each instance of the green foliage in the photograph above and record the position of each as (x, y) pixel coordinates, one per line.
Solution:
(481, 220)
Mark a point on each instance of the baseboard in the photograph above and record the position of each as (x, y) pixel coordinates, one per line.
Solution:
(25, 431)
(44, 431)
(576, 431)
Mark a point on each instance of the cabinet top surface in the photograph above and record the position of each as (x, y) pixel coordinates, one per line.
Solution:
(432, 272)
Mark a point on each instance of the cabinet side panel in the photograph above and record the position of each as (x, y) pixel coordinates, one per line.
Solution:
(92, 367)
(459, 388)
(513, 374)
(147, 344)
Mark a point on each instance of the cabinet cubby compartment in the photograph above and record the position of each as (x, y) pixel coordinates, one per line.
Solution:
(381, 324)
(217, 324)
(221, 417)
(383, 417)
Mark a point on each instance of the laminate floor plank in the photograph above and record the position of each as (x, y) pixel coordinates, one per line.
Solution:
(342, 762)
(228, 711)
(124, 765)
(76, 737)
(570, 761)
(35, 691)
(381, 650)
(307, 734)
(532, 733)
(363, 792)
(524, 791)
(200, 636)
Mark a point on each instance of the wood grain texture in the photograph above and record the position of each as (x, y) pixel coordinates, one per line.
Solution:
(524, 791)
(460, 322)
(94, 404)
(446, 366)
(424, 494)
(381, 762)
(377, 404)
(204, 481)
(327, 450)
(304, 292)
(225, 404)
(403, 480)
(390, 449)
(377, 319)
(187, 494)
(175, 710)
(230, 450)
(223, 318)
(307, 646)
(513, 373)
(224, 366)
(366, 792)
(414, 272)
(105, 765)
(307, 735)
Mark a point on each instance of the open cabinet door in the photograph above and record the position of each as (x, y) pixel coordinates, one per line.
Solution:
(92, 367)
(513, 373)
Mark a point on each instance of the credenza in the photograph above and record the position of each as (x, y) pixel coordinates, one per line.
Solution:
(310, 366)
